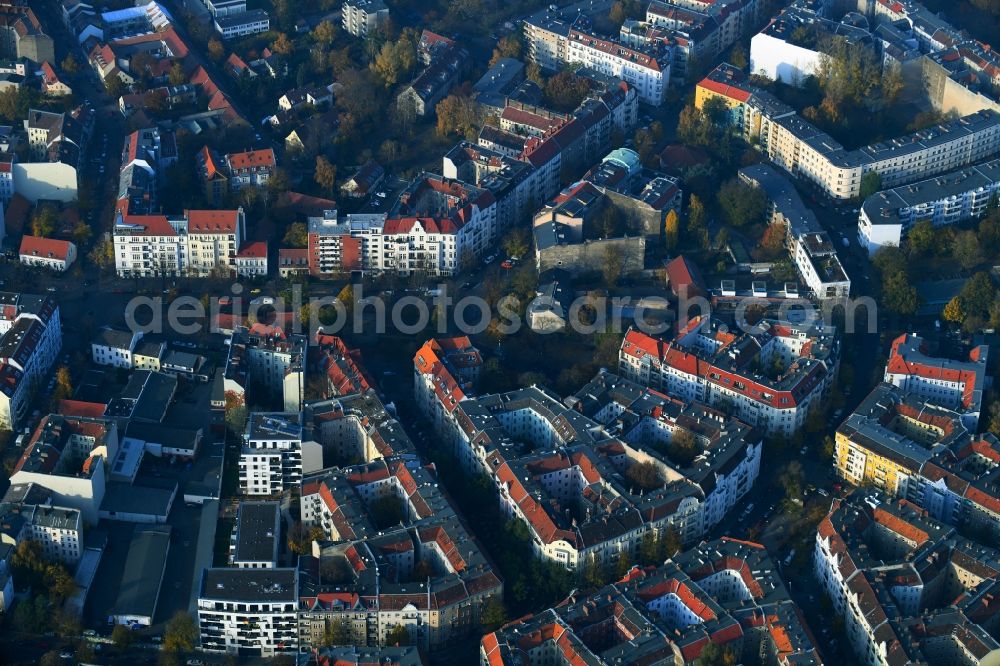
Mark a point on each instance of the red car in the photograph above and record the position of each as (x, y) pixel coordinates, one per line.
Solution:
(507, 265)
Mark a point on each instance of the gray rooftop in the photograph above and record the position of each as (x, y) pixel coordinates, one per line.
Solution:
(230, 584)
(143, 574)
(258, 528)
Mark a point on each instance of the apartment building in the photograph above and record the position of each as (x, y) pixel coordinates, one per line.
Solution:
(444, 373)
(724, 592)
(794, 369)
(422, 572)
(67, 456)
(30, 342)
(444, 61)
(886, 217)
(147, 155)
(363, 17)
(579, 453)
(949, 383)
(113, 346)
(809, 153)
(910, 589)
(27, 513)
(514, 183)
(248, 612)
(23, 36)
(558, 38)
(438, 225)
(271, 460)
(269, 359)
(242, 24)
(256, 535)
(809, 245)
(252, 168)
(199, 242)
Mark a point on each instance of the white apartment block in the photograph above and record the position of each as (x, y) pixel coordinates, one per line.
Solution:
(810, 246)
(886, 217)
(952, 384)
(242, 24)
(30, 341)
(249, 612)
(363, 17)
(271, 458)
(556, 39)
(59, 530)
(113, 346)
(697, 366)
(198, 243)
(444, 227)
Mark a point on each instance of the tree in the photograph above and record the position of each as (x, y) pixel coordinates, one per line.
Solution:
(644, 476)
(181, 633)
(358, 94)
(397, 636)
(683, 448)
(337, 633)
(64, 384)
(773, 240)
(696, 213)
(494, 615)
(216, 51)
(50, 658)
(967, 250)
(177, 76)
(102, 254)
(790, 478)
(69, 64)
(738, 57)
(871, 183)
(953, 311)
(457, 114)
(509, 46)
(43, 222)
(565, 90)
(920, 241)
(323, 33)
(297, 235)
(671, 230)
(81, 233)
(899, 295)
(515, 244)
(326, 174)
(121, 636)
(614, 262)
(282, 45)
(742, 204)
(716, 655)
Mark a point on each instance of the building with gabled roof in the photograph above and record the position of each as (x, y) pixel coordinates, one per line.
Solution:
(949, 383)
(30, 341)
(771, 377)
(444, 373)
(910, 588)
(54, 254)
(414, 565)
(726, 592)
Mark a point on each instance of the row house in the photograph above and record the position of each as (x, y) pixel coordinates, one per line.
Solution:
(444, 373)
(30, 342)
(794, 369)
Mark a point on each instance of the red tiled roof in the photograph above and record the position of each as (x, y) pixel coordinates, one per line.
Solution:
(251, 159)
(212, 221)
(36, 246)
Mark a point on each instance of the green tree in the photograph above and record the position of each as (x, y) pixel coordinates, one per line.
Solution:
(871, 183)
(69, 65)
(50, 658)
(494, 615)
(967, 250)
(398, 635)
(181, 633)
(921, 239)
(714, 654)
(738, 57)
(102, 254)
(337, 632)
(742, 204)
(565, 90)
(297, 235)
(644, 476)
(683, 448)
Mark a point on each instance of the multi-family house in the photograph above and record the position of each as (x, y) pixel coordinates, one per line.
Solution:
(30, 342)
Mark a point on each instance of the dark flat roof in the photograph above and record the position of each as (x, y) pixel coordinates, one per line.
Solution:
(144, 566)
(232, 584)
(257, 531)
